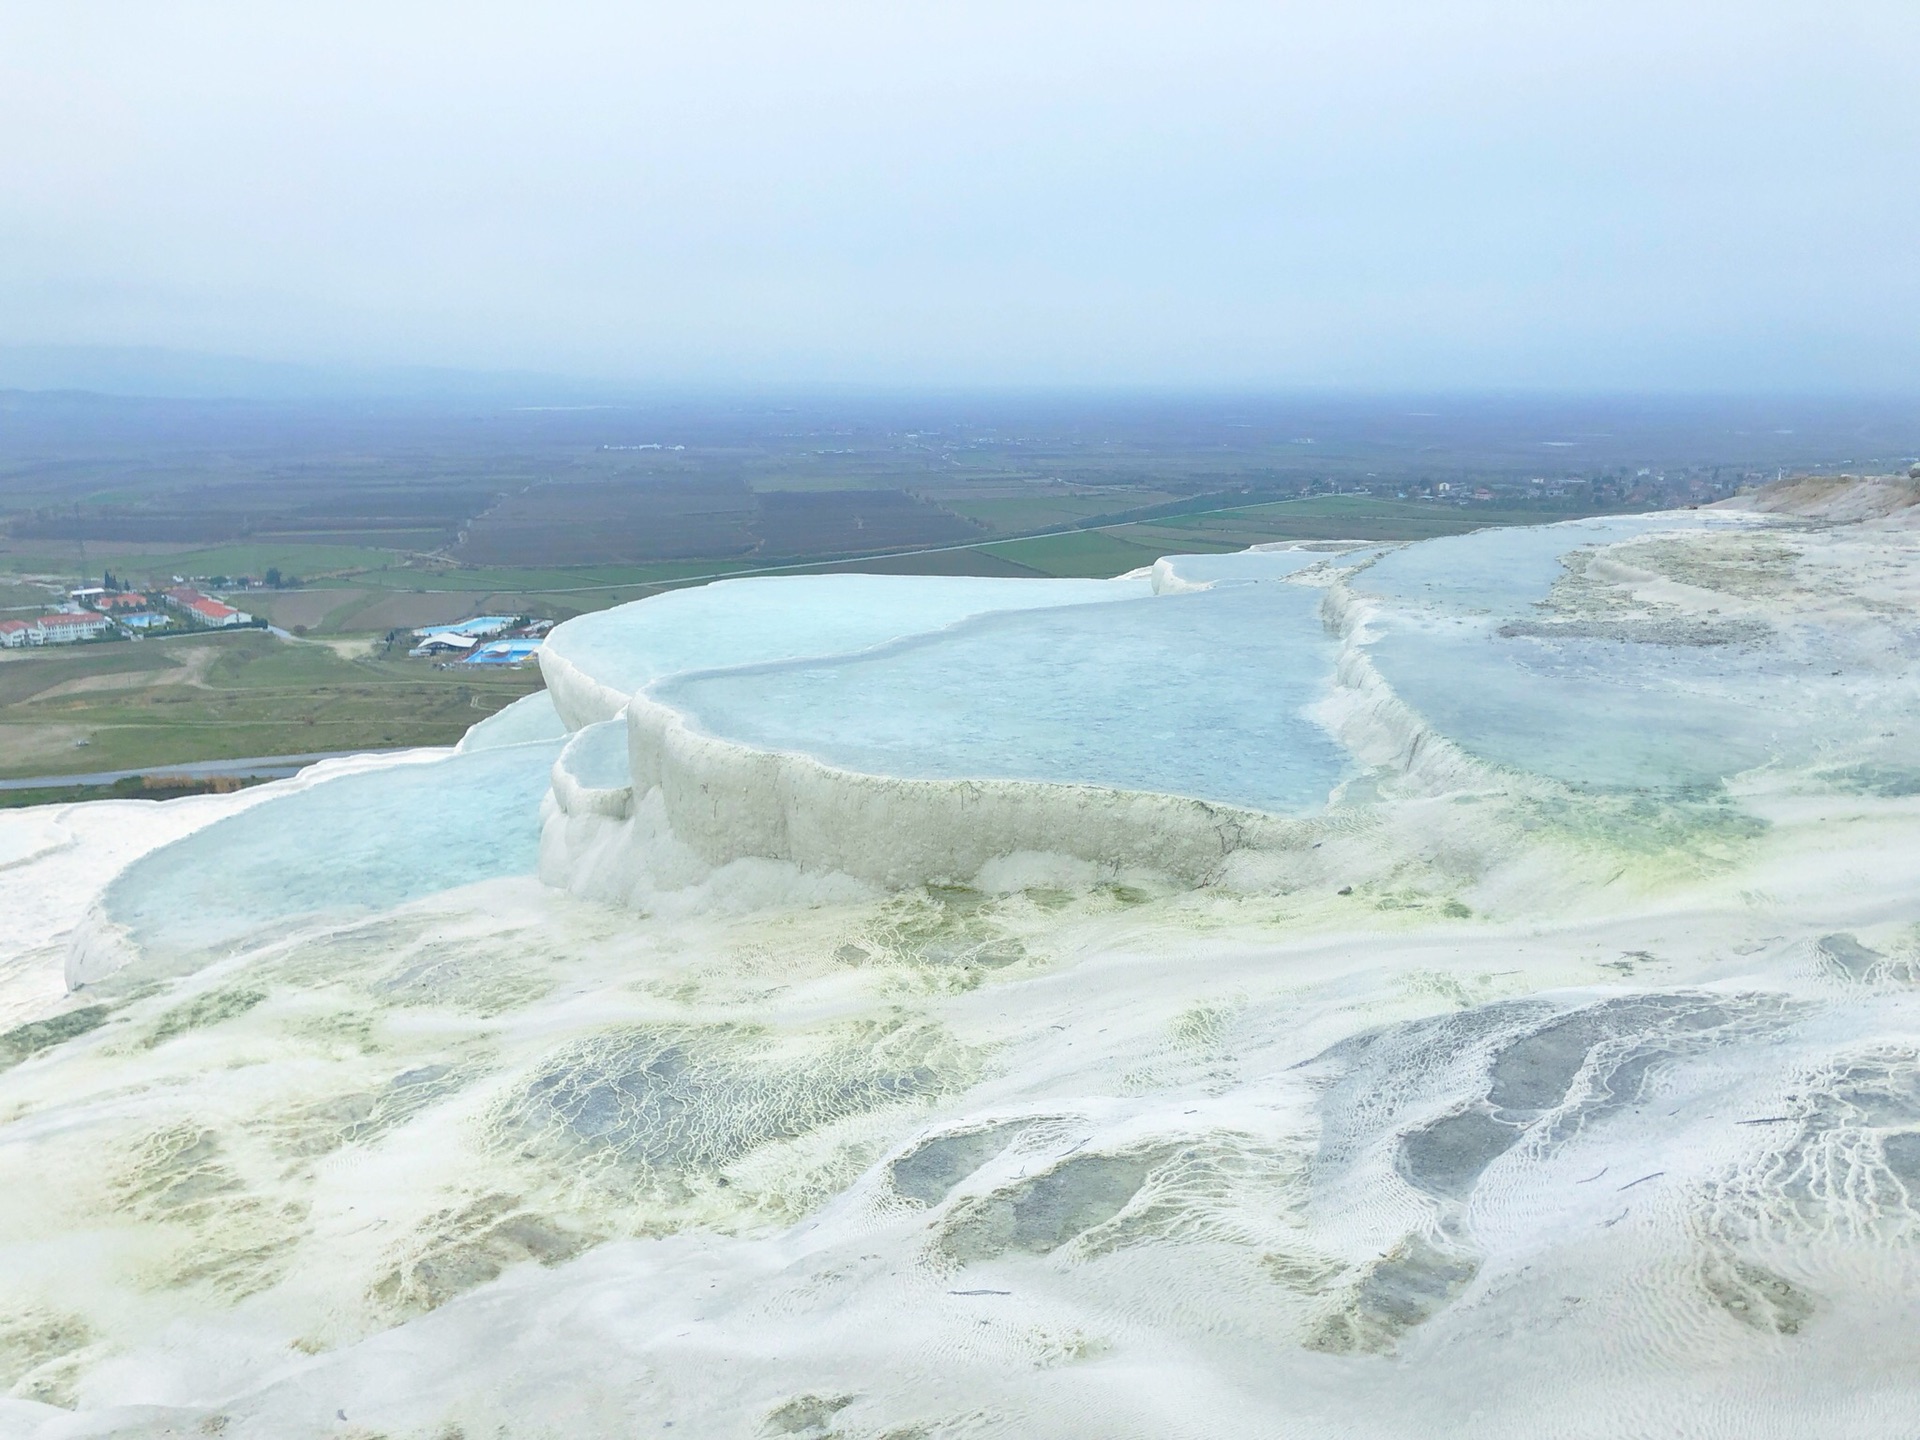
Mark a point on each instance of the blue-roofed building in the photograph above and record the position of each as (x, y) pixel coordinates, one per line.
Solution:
(480, 627)
(504, 652)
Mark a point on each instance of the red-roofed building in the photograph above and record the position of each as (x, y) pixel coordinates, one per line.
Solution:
(212, 612)
(64, 629)
(15, 633)
(120, 600)
(204, 608)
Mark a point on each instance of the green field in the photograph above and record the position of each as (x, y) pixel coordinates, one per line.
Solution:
(357, 590)
(141, 565)
(1353, 517)
(205, 697)
(18, 600)
(1017, 514)
(1078, 553)
(1115, 549)
(563, 580)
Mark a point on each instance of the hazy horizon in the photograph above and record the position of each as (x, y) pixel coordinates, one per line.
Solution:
(166, 374)
(1393, 198)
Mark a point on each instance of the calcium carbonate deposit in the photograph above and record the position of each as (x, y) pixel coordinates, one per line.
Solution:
(1469, 988)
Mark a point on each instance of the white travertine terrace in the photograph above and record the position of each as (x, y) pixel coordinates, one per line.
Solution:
(759, 754)
(1541, 1056)
(724, 800)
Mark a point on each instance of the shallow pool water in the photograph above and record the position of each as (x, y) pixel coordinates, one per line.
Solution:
(1207, 692)
(355, 844)
(1201, 694)
(531, 717)
(1586, 712)
(1504, 571)
(1454, 632)
(744, 622)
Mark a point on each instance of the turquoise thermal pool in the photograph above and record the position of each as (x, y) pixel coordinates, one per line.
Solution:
(774, 618)
(1214, 680)
(1203, 695)
(337, 849)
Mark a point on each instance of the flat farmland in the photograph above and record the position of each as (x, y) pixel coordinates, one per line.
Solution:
(133, 704)
(596, 522)
(1017, 514)
(388, 517)
(297, 507)
(1346, 517)
(147, 563)
(1115, 549)
(609, 522)
(1087, 554)
(797, 524)
(19, 598)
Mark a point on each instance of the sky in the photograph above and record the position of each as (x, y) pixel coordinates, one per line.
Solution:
(1714, 195)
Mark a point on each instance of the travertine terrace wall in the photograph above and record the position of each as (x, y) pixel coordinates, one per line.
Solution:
(725, 801)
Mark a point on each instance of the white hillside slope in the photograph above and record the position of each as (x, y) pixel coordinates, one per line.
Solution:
(1465, 989)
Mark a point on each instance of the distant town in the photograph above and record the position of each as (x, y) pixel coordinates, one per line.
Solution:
(113, 610)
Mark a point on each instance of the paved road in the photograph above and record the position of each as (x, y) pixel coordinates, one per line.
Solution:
(267, 766)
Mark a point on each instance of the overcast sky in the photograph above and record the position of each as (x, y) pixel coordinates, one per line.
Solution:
(1687, 194)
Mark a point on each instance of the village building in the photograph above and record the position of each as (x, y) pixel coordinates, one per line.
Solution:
(209, 611)
(204, 608)
(505, 652)
(480, 627)
(445, 644)
(60, 629)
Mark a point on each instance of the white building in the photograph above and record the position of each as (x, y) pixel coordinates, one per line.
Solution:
(211, 612)
(445, 644)
(61, 629)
